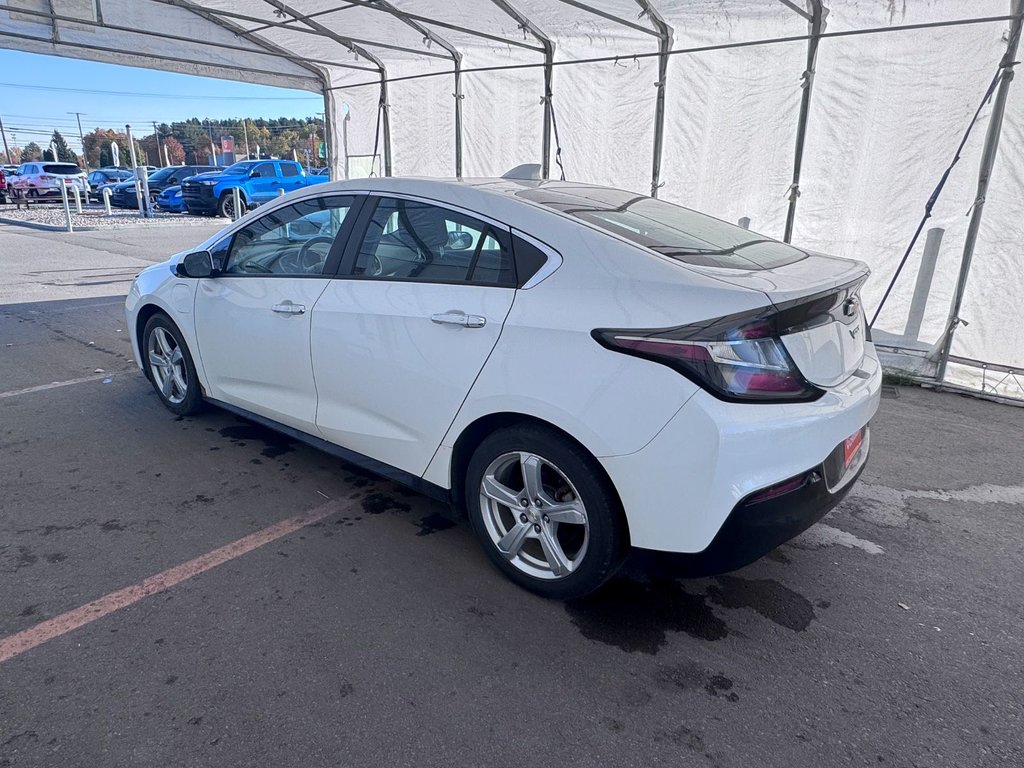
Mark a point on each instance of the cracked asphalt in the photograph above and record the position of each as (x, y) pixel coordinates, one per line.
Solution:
(890, 634)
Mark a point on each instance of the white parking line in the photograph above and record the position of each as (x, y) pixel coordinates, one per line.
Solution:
(822, 535)
(56, 384)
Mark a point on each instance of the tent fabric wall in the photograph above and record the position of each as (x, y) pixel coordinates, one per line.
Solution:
(887, 111)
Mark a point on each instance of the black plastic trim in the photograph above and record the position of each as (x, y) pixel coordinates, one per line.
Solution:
(360, 460)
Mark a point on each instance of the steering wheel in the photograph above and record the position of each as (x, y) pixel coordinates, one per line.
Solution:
(308, 259)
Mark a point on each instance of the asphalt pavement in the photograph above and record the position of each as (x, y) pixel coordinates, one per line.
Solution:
(378, 635)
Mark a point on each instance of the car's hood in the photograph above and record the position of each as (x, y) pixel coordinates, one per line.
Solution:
(169, 191)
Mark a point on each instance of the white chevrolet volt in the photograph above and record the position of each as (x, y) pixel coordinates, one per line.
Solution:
(581, 369)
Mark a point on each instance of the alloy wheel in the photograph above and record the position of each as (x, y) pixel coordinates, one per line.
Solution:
(534, 515)
(167, 364)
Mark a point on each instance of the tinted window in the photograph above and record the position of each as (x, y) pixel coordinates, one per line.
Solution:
(264, 171)
(66, 169)
(671, 230)
(293, 240)
(529, 259)
(410, 240)
(162, 174)
(287, 169)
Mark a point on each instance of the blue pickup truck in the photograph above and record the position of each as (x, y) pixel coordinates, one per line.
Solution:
(257, 181)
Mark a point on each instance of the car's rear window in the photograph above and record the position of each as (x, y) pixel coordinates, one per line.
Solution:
(63, 168)
(671, 230)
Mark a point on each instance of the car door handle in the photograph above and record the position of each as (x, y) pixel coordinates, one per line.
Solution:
(459, 318)
(289, 309)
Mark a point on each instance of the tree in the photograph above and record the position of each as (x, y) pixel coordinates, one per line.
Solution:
(175, 151)
(64, 153)
(31, 152)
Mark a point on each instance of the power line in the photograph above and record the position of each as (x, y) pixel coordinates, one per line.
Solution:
(157, 95)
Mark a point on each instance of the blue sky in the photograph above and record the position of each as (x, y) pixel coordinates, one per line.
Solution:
(31, 111)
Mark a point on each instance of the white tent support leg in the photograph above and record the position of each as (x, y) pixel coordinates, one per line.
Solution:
(988, 160)
(549, 65)
(457, 64)
(816, 21)
(665, 35)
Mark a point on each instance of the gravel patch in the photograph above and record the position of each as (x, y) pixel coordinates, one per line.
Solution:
(50, 217)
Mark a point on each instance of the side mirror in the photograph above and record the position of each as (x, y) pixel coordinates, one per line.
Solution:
(196, 264)
(459, 241)
(254, 173)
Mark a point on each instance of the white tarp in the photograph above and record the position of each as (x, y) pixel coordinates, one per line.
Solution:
(886, 114)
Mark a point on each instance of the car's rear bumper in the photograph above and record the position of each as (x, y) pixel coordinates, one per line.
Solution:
(681, 490)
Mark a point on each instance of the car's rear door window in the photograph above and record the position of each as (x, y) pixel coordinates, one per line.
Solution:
(294, 240)
(419, 241)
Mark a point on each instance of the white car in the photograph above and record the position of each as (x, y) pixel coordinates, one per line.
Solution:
(581, 369)
(42, 181)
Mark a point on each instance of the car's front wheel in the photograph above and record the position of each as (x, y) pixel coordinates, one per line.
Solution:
(226, 207)
(169, 366)
(545, 512)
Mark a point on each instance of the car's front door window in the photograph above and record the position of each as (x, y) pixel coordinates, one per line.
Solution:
(294, 240)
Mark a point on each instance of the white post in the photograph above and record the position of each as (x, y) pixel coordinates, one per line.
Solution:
(78, 199)
(67, 208)
(106, 200)
(280, 192)
(237, 195)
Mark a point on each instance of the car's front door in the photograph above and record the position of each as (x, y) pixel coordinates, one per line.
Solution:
(253, 318)
(263, 183)
(400, 337)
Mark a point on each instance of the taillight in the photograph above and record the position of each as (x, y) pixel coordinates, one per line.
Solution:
(47, 178)
(739, 358)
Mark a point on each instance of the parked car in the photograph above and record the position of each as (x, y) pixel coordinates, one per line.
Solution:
(257, 181)
(170, 200)
(123, 194)
(103, 177)
(41, 180)
(9, 170)
(581, 369)
(3, 188)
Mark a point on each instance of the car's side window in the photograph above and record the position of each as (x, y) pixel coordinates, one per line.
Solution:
(293, 240)
(264, 171)
(413, 240)
(287, 169)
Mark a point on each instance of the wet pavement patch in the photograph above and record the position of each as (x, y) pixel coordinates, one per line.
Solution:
(432, 524)
(777, 603)
(638, 617)
(379, 503)
(690, 676)
(274, 443)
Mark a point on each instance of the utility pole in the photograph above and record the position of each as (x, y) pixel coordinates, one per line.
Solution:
(7, 150)
(213, 148)
(160, 150)
(81, 137)
(245, 131)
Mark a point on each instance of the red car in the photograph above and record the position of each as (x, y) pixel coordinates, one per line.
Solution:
(3, 188)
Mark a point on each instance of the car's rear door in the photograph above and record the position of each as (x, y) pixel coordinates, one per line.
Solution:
(253, 318)
(399, 338)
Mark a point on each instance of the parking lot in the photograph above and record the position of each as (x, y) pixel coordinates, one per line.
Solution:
(307, 614)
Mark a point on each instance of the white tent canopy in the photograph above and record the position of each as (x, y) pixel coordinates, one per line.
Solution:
(826, 123)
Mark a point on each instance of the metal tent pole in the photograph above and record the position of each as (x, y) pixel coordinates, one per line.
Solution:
(549, 65)
(816, 22)
(385, 121)
(665, 33)
(988, 159)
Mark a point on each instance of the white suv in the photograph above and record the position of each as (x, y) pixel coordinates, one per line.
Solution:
(40, 181)
(581, 369)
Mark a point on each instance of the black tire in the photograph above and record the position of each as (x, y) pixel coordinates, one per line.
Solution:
(226, 206)
(604, 534)
(191, 400)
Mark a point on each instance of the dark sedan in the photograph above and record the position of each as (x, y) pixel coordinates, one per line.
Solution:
(123, 194)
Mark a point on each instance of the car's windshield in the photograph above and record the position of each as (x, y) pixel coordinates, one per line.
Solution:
(671, 230)
(162, 174)
(238, 168)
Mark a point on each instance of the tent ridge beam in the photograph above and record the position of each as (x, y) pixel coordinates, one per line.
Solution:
(549, 65)
(234, 29)
(665, 37)
(374, 5)
(816, 23)
(180, 38)
(610, 17)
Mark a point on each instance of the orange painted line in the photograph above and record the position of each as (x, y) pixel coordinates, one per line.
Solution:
(18, 643)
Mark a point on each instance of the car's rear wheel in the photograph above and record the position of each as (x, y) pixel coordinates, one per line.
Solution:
(544, 512)
(169, 366)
